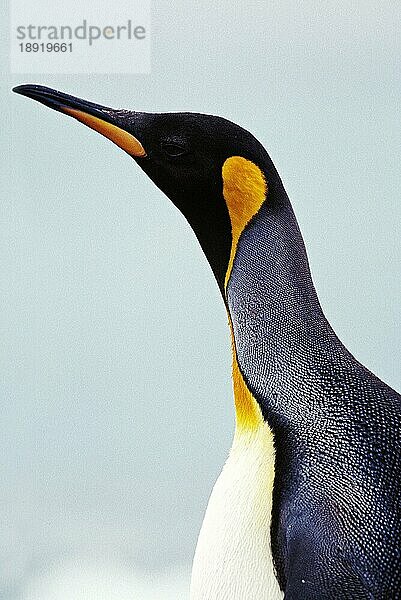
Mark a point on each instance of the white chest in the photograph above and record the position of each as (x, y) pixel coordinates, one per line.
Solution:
(233, 558)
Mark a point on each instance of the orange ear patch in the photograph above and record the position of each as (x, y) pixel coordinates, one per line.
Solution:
(244, 190)
(122, 138)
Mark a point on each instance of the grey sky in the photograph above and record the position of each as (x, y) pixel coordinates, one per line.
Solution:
(117, 411)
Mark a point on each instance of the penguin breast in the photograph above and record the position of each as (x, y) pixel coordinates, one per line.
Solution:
(233, 558)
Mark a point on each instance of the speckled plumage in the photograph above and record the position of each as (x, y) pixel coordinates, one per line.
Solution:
(336, 519)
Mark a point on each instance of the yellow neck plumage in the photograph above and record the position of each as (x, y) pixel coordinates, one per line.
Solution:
(244, 191)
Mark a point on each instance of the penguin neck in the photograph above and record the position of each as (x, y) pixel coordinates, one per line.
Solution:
(276, 317)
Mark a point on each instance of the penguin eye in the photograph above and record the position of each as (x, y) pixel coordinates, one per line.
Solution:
(174, 148)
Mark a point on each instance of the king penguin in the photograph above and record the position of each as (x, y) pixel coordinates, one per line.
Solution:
(308, 505)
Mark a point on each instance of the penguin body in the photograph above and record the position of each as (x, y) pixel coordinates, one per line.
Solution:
(308, 506)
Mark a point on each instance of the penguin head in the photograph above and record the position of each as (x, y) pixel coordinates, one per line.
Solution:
(215, 172)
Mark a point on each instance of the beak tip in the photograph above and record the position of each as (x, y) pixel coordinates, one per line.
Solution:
(28, 89)
(18, 89)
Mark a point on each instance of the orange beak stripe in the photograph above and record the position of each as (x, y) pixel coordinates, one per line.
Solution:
(122, 138)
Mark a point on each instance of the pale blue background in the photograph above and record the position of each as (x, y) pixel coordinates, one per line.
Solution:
(116, 400)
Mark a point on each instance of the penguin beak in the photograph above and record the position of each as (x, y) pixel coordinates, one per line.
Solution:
(107, 121)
